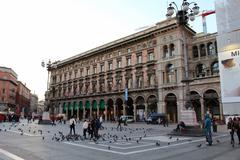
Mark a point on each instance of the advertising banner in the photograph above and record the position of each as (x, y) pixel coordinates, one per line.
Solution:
(229, 66)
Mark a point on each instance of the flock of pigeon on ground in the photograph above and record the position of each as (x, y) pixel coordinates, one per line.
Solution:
(106, 137)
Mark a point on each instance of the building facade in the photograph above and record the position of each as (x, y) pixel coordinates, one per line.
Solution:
(8, 89)
(33, 103)
(140, 74)
(23, 99)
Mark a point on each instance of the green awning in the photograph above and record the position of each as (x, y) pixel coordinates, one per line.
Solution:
(70, 106)
(88, 105)
(75, 105)
(94, 104)
(102, 105)
(81, 105)
(64, 106)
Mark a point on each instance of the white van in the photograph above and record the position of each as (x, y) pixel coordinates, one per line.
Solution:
(128, 118)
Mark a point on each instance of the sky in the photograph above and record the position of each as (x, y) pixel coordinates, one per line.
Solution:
(32, 31)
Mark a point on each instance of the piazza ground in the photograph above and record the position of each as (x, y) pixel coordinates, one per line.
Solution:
(136, 141)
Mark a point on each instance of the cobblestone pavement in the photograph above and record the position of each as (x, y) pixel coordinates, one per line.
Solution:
(24, 141)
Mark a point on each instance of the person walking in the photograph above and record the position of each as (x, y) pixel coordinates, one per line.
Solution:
(85, 128)
(208, 130)
(230, 127)
(238, 129)
(72, 123)
(119, 123)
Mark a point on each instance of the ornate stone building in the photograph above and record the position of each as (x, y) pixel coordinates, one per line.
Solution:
(150, 65)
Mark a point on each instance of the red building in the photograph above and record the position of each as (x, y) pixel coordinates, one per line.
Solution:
(8, 89)
(23, 99)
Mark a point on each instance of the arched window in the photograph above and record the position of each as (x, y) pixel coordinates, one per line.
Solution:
(201, 70)
(171, 50)
(195, 51)
(202, 50)
(165, 51)
(215, 68)
(170, 73)
(211, 48)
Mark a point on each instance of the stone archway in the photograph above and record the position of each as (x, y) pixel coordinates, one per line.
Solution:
(211, 103)
(75, 108)
(102, 108)
(119, 107)
(152, 104)
(94, 108)
(140, 108)
(196, 104)
(87, 109)
(171, 107)
(64, 108)
(110, 110)
(129, 107)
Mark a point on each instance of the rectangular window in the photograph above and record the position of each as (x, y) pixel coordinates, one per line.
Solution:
(150, 56)
(119, 64)
(88, 71)
(129, 50)
(139, 59)
(102, 68)
(94, 70)
(3, 90)
(119, 53)
(128, 61)
(75, 73)
(110, 66)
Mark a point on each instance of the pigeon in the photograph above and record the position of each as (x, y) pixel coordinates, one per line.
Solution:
(177, 139)
(21, 133)
(43, 138)
(200, 145)
(145, 135)
(137, 141)
(168, 143)
(140, 138)
(157, 143)
(109, 147)
(170, 137)
(218, 141)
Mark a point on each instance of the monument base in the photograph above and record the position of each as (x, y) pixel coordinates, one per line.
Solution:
(45, 119)
(191, 128)
(189, 131)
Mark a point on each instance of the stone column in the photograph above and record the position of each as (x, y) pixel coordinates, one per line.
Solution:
(134, 112)
(90, 112)
(202, 108)
(98, 111)
(106, 112)
(145, 110)
(84, 112)
(78, 113)
(221, 110)
(114, 110)
(124, 109)
(67, 113)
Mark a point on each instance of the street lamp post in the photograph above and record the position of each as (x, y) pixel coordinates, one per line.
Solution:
(183, 15)
(48, 66)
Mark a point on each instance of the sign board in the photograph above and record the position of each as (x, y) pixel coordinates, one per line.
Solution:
(229, 66)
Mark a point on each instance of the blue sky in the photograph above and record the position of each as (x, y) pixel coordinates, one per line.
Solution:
(36, 30)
